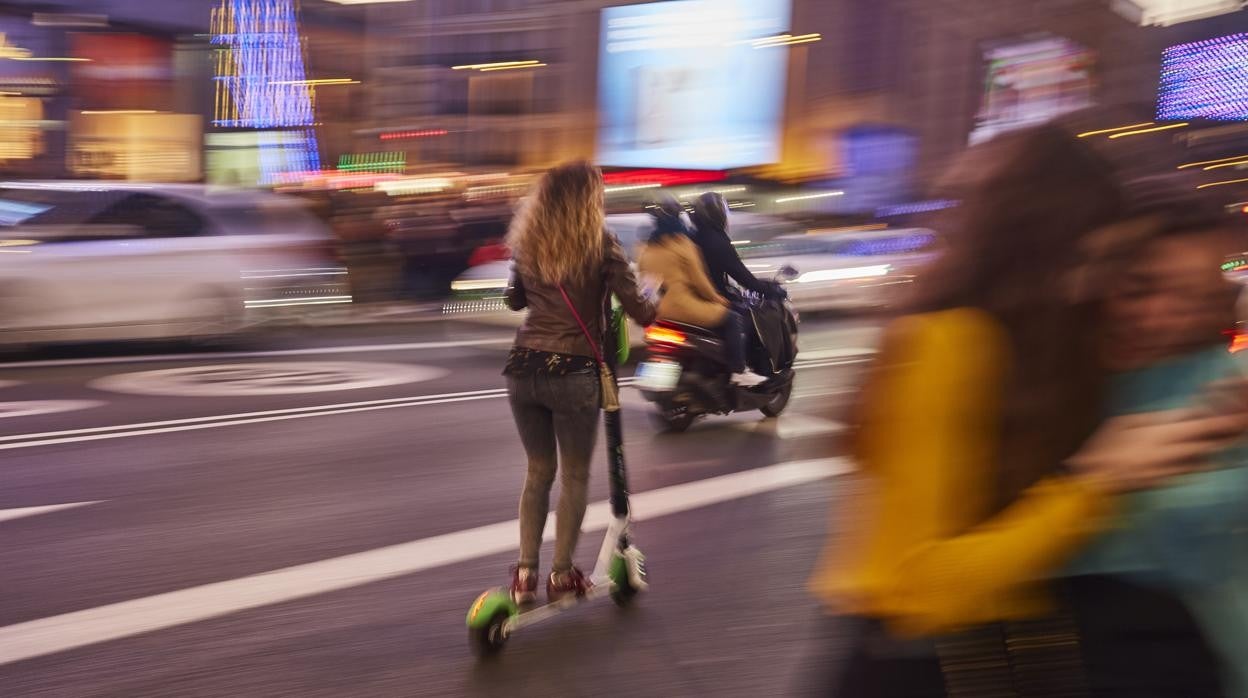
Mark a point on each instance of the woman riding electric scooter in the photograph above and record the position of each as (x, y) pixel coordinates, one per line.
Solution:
(566, 267)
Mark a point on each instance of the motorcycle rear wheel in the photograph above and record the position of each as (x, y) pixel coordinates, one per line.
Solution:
(674, 421)
(779, 402)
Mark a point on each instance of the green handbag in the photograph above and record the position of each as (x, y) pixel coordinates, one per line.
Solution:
(619, 328)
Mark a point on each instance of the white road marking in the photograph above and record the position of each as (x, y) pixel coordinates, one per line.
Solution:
(801, 394)
(806, 356)
(194, 426)
(68, 631)
(121, 431)
(492, 392)
(633, 399)
(843, 353)
(21, 512)
(117, 431)
(30, 408)
(792, 426)
(828, 363)
(9, 384)
(267, 378)
(205, 356)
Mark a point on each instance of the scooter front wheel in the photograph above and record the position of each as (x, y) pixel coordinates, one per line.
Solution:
(487, 622)
(628, 576)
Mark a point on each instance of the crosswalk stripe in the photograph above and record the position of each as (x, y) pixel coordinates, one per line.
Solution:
(68, 631)
(22, 512)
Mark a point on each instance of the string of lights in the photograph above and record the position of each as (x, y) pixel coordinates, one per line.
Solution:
(261, 82)
(1205, 79)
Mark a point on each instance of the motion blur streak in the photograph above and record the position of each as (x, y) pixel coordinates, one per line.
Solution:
(22, 512)
(258, 260)
(312, 351)
(1097, 132)
(121, 431)
(81, 628)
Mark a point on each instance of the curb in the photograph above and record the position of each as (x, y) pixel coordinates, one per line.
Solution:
(349, 317)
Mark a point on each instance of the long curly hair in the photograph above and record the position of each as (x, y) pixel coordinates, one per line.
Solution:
(556, 235)
(1030, 202)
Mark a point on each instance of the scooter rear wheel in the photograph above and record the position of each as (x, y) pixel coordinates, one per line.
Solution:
(779, 402)
(674, 421)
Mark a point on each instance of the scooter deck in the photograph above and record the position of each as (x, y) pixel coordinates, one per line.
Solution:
(536, 614)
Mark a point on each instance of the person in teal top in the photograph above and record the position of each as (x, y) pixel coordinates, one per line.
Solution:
(1167, 316)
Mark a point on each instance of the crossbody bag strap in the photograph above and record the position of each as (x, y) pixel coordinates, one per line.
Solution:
(610, 395)
(592, 344)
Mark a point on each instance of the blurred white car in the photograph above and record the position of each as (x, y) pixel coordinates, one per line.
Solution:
(83, 261)
(479, 290)
(846, 271)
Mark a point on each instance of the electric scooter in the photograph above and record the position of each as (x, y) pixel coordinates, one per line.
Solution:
(619, 573)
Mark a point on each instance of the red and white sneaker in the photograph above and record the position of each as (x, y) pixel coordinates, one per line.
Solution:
(573, 582)
(523, 585)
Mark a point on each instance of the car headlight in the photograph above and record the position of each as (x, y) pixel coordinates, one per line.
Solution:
(478, 284)
(843, 274)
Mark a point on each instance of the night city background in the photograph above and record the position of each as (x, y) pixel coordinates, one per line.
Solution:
(253, 256)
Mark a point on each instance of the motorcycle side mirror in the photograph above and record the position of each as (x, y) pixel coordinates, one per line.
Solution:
(788, 272)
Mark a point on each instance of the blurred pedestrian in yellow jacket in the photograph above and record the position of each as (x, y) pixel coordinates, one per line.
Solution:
(979, 431)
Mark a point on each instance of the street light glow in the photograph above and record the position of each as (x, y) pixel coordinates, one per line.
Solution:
(318, 82)
(806, 197)
(497, 66)
(785, 40)
(511, 67)
(1085, 134)
(1210, 162)
(1167, 127)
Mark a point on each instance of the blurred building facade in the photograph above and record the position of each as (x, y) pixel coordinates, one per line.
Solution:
(529, 117)
(98, 91)
(121, 89)
(891, 91)
(931, 67)
(876, 107)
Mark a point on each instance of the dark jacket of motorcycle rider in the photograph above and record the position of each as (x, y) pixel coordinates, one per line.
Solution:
(710, 217)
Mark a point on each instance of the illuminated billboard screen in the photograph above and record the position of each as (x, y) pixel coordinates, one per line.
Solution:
(1205, 79)
(1030, 81)
(687, 84)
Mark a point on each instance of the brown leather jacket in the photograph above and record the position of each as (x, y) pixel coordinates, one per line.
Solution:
(550, 325)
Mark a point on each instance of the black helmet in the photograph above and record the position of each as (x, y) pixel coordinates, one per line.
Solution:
(665, 207)
(666, 211)
(710, 210)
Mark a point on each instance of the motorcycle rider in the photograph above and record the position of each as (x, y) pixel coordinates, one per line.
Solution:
(687, 295)
(710, 218)
(668, 215)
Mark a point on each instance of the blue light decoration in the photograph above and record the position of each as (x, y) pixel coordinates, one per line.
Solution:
(261, 83)
(886, 245)
(915, 207)
(1205, 79)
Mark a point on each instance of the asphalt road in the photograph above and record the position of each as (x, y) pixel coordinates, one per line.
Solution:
(312, 515)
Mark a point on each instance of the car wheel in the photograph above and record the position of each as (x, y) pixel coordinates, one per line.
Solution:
(213, 319)
(14, 305)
